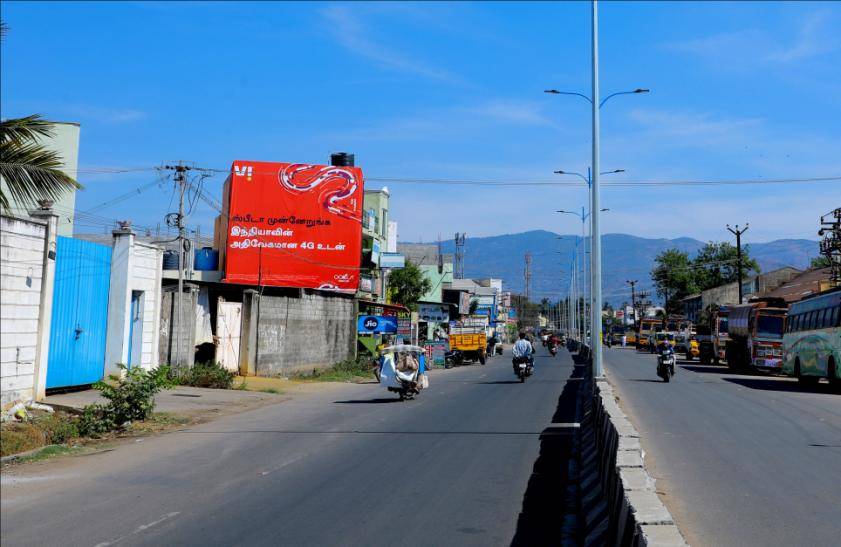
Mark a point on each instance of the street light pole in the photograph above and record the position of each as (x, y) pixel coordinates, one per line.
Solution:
(595, 217)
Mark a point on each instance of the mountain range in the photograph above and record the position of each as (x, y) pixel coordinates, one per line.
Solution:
(626, 257)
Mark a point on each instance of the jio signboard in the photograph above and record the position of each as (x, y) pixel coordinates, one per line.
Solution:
(294, 225)
(376, 324)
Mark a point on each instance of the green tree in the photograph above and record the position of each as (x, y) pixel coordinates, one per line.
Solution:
(673, 277)
(717, 264)
(820, 262)
(408, 285)
(30, 172)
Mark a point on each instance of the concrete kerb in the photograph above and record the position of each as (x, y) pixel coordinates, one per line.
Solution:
(636, 514)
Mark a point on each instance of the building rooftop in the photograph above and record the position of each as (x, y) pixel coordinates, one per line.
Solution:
(801, 286)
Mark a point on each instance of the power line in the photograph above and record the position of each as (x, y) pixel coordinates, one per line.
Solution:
(524, 182)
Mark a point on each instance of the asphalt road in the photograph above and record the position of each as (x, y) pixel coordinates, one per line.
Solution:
(742, 460)
(345, 466)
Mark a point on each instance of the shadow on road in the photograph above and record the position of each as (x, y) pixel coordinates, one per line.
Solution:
(368, 401)
(704, 368)
(656, 381)
(781, 384)
(545, 502)
(499, 382)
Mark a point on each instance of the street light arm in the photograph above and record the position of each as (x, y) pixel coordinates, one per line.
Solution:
(556, 92)
(579, 175)
(640, 90)
(571, 213)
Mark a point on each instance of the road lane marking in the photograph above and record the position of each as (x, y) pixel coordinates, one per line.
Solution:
(139, 529)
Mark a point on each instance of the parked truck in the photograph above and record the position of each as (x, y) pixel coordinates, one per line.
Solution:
(467, 343)
(647, 329)
(756, 336)
(720, 334)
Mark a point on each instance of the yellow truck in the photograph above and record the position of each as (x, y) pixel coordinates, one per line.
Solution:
(467, 344)
(648, 327)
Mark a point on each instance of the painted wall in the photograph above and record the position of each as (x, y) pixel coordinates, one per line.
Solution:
(302, 333)
(136, 270)
(437, 280)
(21, 268)
(66, 143)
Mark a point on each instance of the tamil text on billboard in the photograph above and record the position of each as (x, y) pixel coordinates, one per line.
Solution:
(294, 225)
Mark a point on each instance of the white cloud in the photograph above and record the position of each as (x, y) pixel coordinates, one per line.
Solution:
(453, 121)
(106, 115)
(349, 32)
(812, 36)
(694, 126)
(516, 112)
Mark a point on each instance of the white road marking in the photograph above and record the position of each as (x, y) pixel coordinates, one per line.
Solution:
(139, 529)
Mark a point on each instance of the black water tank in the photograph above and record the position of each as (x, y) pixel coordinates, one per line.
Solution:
(342, 159)
(171, 260)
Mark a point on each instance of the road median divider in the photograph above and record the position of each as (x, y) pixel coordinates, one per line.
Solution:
(619, 503)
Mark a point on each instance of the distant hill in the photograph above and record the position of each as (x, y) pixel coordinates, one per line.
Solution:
(625, 257)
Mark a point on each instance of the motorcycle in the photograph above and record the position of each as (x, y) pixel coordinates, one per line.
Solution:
(403, 370)
(666, 364)
(453, 358)
(553, 349)
(523, 367)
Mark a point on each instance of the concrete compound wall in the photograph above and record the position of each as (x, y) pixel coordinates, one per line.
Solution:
(21, 269)
(170, 342)
(302, 333)
(135, 267)
(620, 500)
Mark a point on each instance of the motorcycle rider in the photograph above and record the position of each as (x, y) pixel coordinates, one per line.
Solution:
(523, 349)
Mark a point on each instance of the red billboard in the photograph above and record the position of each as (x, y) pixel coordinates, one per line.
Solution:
(294, 225)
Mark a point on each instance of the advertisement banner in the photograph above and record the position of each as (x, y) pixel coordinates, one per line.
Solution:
(404, 326)
(434, 312)
(392, 260)
(435, 351)
(294, 225)
(376, 324)
(464, 303)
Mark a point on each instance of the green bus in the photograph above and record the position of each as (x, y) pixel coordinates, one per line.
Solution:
(812, 339)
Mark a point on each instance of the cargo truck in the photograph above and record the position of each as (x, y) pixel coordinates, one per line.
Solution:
(756, 336)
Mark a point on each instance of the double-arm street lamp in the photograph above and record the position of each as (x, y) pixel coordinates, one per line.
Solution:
(596, 256)
(587, 282)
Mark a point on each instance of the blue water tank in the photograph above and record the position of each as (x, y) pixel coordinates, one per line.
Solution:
(206, 259)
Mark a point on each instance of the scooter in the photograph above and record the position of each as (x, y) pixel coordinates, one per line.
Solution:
(666, 364)
(553, 349)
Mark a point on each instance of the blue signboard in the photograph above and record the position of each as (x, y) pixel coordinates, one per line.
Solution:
(484, 310)
(376, 324)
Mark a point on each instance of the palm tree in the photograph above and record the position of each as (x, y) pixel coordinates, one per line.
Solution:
(30, 171)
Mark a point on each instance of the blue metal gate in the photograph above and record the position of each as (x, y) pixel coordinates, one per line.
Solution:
(80, 313)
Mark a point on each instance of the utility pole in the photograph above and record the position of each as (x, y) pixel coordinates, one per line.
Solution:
(527, 277)
(738, 233)
(633, 299)
(459, 265)
(831, 243)
(180, 179)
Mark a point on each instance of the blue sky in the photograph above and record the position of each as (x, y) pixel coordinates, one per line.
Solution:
(451, 90)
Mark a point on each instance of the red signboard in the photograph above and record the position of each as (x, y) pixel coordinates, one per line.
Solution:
(294, 225)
